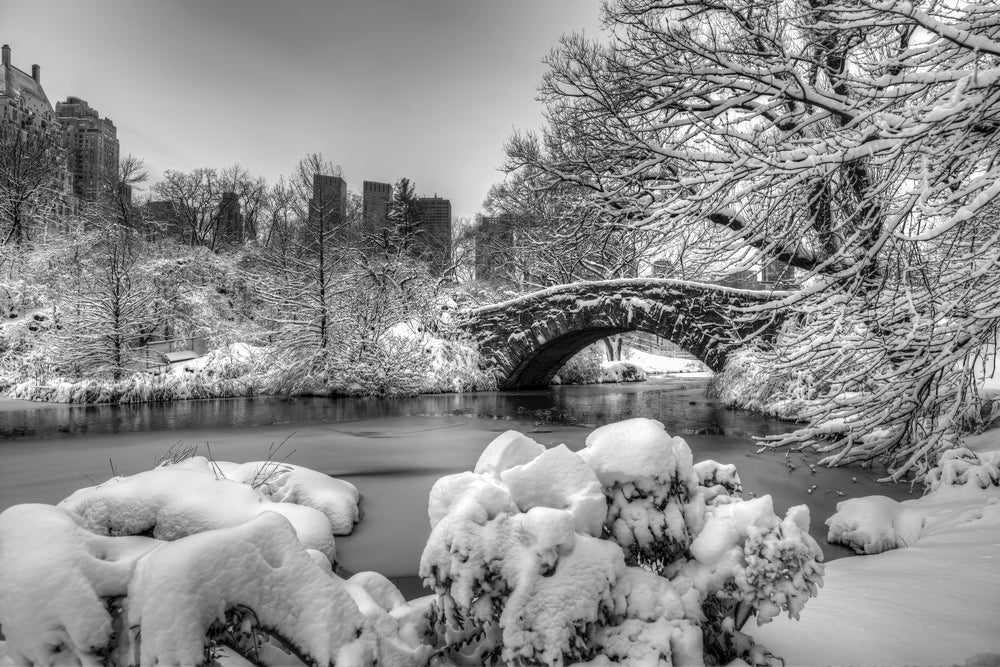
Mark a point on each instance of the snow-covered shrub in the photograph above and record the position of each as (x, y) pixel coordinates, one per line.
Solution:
(584, 367)
(625, 550)
(621, 371)
(197, 559)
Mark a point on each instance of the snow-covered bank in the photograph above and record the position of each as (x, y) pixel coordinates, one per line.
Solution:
(934, 600)
(432, 365)
(198, 557)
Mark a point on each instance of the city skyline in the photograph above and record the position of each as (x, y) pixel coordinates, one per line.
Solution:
(385, 89)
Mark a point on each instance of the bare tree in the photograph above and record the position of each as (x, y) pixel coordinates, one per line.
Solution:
(110, 303)
(32, 173)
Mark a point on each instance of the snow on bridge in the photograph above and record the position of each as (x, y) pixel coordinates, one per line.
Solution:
(529, 338)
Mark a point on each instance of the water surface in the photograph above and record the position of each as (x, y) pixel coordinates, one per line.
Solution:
(393, 450)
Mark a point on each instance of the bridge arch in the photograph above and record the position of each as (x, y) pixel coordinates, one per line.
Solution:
(528, 339)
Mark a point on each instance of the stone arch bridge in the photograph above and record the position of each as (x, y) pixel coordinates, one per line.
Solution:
(529, 338)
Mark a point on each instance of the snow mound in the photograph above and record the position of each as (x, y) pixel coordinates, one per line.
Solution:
(507, 450)
(940, 587)
(875, 524)
(561, 479)
(79, 588)
(543, 556)
(55, 576)
(179, 589)
(174, 501)
(287, 483)
(635, 448)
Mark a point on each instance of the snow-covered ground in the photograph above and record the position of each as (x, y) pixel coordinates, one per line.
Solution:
(654, 364)
(520, 548)
(934, 600)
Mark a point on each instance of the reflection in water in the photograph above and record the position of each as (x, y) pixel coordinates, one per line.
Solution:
(393, 450)
(679, 403)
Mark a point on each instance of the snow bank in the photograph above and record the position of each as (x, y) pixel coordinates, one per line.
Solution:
(287, 483)
(173, 501)
(934, 597)
(535, 557)
(55, 578)
(655, 364)
(179, 589)
(220, 569)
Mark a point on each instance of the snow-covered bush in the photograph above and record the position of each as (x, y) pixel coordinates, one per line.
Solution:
(589, 366)
(197, 559)
(625, 550)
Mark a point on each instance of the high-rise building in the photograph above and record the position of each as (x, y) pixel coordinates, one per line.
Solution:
(494, 245)
(23, 102)
(229, 228)
(25, 107)
(432, 240)
(92, 146)
(329, 203)
(375, 198)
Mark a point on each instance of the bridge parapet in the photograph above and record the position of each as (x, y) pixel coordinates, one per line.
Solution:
(529, 338)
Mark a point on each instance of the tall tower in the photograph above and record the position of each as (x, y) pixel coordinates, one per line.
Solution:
(375, 199)
(92, 146)
(229, 230)
(432, 241)
(494, 245)
(329, 203)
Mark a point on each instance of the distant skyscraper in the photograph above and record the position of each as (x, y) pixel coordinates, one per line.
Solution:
(494, 245)
(375, 199)
(229, 230)
(329, 203)
(92, 146)
(23, 102)
(432, 241)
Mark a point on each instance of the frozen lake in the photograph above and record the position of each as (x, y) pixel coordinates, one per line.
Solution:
(394, 449)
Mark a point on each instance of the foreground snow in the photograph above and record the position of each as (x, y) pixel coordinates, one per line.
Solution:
(626, 552)
(934, 600)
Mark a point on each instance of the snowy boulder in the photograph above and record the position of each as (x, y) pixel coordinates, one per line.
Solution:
(560, 479)
(171, 502)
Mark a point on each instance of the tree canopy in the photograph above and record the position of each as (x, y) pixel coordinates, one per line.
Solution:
(855, 141)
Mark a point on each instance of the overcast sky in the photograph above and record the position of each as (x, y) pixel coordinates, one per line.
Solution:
(427, 89)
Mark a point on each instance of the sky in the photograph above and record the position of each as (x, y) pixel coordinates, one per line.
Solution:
(426, 89)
